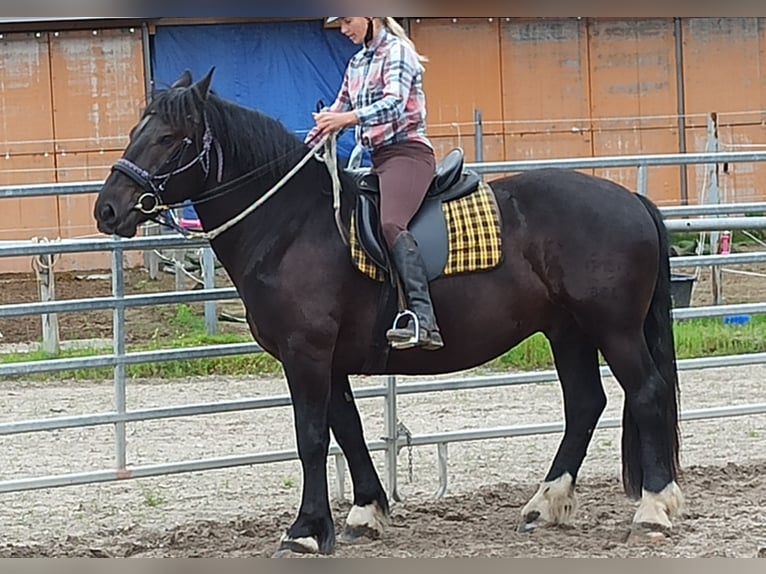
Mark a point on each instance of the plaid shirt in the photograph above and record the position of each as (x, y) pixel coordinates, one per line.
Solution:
(383, 83)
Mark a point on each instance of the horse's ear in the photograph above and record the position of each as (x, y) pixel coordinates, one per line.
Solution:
(202, 88)
(183, 81)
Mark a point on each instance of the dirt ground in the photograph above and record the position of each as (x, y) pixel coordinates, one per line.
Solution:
(241, 511)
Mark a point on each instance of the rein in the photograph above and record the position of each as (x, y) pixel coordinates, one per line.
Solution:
(150, 202)
(313, 152)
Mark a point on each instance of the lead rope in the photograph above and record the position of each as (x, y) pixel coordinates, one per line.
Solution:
(331, 161)
(313, 152)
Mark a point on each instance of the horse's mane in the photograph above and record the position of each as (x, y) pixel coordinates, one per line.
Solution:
(248, 137)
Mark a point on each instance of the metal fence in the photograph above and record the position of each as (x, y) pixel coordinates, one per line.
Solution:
(696, 218)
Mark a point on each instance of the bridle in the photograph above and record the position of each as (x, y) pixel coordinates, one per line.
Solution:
(150, 202)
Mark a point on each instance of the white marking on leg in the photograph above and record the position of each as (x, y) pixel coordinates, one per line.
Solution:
(369, 516)
(657, 508)
(554, 501)
(309, 543)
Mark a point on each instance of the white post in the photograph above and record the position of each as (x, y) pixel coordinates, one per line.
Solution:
(47, 282)
(715, 198)
(392, 436)
(207, 265)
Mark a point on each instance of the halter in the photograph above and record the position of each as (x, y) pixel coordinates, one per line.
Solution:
(150, 202)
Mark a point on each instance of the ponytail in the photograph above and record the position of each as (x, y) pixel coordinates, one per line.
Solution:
(396, 29)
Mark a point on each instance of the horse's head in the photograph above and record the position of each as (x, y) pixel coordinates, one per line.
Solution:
(166, 161)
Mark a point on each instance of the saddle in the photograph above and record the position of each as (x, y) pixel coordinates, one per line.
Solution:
(429, 227)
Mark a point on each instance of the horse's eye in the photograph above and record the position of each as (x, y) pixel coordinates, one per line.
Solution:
(167, 139)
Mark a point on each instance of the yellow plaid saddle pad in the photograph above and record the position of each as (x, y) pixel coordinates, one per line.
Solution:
(475, 242)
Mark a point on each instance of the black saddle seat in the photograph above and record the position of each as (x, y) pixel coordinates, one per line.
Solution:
(450, 175)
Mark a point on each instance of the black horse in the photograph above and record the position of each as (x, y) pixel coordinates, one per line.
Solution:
(584, 261)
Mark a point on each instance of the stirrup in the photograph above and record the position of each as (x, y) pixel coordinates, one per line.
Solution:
(414, 340)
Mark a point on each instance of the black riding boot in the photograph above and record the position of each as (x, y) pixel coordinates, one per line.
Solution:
(412, 271)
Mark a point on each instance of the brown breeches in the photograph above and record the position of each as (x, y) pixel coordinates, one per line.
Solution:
(405, 171)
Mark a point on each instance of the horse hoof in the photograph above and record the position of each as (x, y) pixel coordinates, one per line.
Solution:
(357, 534)
(641, 532)
(530, 522)
(294, 547)
(365, 522)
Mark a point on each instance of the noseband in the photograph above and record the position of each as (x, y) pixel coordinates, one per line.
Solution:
(150, 202)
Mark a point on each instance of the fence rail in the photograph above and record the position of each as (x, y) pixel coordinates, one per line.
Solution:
(697, 218)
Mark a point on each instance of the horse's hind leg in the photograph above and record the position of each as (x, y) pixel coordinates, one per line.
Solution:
(648, 430)
(369, 515)
(576, 359)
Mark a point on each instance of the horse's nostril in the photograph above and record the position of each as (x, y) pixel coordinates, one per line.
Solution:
(106, 212)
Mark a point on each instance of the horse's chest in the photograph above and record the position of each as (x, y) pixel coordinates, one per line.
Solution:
(260, 338)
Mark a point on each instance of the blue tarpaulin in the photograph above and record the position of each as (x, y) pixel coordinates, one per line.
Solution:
(280, 68)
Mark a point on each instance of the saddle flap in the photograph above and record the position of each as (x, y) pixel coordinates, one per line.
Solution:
(368, 228)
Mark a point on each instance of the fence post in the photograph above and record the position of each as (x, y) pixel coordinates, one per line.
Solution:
(641, 183)
(391, 437)
(479, 136)
(715, 198)
(340, 475)
(119, 348)
(207, 265)
(46, 280)
(151, 260)
(178, 268)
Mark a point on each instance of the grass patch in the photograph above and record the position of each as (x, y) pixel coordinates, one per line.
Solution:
(693, 338)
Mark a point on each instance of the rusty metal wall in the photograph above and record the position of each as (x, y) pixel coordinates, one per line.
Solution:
(569, 87)
(725, 73)
(546, 87)
(68, 103)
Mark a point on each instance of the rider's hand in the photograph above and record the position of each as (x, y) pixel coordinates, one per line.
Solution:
(329, 122)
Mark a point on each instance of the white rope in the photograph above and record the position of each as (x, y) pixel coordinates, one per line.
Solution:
(742, 272)
(330, 158)
(213, 233)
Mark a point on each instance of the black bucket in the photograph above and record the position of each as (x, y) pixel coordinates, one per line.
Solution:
(681, 289)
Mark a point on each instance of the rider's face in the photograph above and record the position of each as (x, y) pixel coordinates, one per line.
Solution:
(354, 28)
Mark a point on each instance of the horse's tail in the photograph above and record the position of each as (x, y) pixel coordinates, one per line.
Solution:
(658, 331)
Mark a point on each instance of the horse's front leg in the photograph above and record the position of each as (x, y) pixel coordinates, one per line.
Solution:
(308, 377)
(369, 515)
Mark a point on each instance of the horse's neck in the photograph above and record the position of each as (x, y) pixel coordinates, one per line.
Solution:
(263, 236)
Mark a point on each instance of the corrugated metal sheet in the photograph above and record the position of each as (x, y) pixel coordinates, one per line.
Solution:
(97, 88)
(67, 103)
(554, 87)
(463, 74)
(26, 110)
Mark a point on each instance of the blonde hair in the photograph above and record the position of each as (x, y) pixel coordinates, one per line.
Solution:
(396, 29)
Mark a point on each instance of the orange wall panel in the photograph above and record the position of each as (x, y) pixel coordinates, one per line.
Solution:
(532, 146)
(545, 74)
(493, 147)
(664, 183)
(98, 88)
(22, 219)
(76, 211)
(633, 71)
(26, 126)
(725, 68)
(463, 72)
(737, 182)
